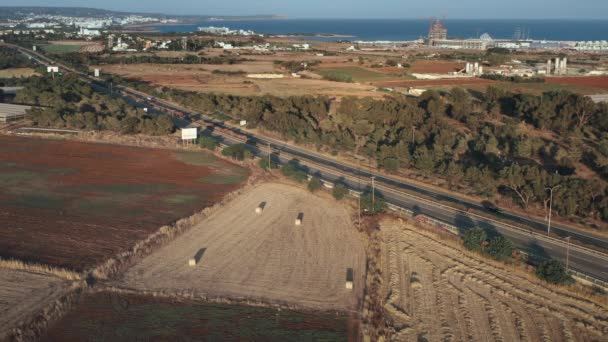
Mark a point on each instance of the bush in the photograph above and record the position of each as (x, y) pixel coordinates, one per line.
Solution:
(265, 164)
(208, 142)
(293, 171)
(337, 76)
(500, 248)
(340, 191)
(554, 272)
(474, 238)
(237, 151)
(373, 204)
(314, 184)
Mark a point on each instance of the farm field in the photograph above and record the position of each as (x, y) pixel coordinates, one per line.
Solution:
(17, 72)
(435, 67)
(600, 82)
(112, 317)
(68, 46)
(358, 74)
(264, 256)
(200, 78)
(435, 291)
(23, 293)
(73, 204)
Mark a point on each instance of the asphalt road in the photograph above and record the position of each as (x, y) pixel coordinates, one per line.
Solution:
(527, 235)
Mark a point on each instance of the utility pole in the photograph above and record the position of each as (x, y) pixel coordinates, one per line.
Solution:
(269, 155)
(373, 194)
(550, 207)
(568, 252)
(359, 189)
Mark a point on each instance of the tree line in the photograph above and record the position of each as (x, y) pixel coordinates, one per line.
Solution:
(499, 144)
(68, 102)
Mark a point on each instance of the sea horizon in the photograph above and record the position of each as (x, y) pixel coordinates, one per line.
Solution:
(411, 29)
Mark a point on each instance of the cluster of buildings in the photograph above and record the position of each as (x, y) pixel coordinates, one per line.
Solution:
(225, 31)
(42, 21)
(438, 37)
(264, 47)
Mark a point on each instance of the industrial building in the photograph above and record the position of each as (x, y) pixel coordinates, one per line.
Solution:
(11, 112)
(468, 44)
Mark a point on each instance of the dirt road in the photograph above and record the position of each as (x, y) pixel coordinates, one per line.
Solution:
(264, 256)
(436, 291)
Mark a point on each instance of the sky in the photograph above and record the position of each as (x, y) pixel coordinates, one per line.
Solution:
(453, 9)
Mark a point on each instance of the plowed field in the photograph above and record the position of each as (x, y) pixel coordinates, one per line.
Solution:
(74, 204)
(437, 292)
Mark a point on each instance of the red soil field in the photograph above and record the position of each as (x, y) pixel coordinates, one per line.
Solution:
(129, 317)
(74, 204)
(435, 67)
(431, 83)
(591, 82)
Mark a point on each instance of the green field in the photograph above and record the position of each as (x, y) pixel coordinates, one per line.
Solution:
(357, 74)
(111, 317)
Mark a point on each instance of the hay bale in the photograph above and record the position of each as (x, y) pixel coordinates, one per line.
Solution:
(192, 262)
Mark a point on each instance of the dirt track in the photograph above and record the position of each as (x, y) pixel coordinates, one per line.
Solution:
(435, 290)
(264, 256)
(22, 293)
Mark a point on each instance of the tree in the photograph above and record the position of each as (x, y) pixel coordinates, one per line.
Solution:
(264, 164)
(314, 184)
(474, 238)
(208, 142)
(293, 171)
(237, 151)
(340, 191)
(373, 204)
(554, 272)
(500, 248)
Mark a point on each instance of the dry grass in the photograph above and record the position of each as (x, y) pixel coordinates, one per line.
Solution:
(17, 72)
(436, 289)
(37, 268)
(263, 256)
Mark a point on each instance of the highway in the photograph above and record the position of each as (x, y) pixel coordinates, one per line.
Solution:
(526, 233)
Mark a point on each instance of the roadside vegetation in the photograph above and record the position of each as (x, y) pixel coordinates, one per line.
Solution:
(502, 249)
(67, 102)
(498, 145)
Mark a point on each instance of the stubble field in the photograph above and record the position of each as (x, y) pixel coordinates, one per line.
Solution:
(23, 293)
(73, 204)
(264, 256)
(437, 292)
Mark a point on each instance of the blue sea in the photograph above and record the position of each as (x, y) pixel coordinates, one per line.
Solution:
(410, 29)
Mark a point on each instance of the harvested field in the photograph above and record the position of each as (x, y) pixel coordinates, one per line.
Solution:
(112, 317)
(66, 46)
(264, 256)
(436, 291)
(23, 293)
(17, 72)
(201, 78)
(73, 205)
(435, 67)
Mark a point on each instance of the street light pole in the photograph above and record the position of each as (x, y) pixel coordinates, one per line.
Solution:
(550, 207)
(568, 252)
